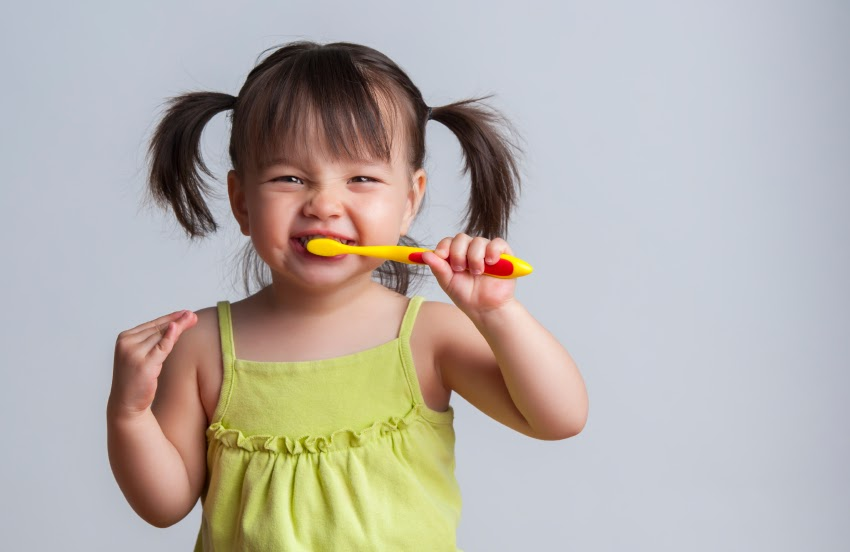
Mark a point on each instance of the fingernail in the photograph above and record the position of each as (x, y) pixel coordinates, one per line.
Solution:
(476, 272)
(457, 268)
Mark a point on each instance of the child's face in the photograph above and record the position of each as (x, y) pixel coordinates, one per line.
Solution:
(312, 193)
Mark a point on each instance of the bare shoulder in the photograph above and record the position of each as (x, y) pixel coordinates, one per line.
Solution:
(443, 324)
(206, 329)
(201, 346)
(197, 340)
(450, 337)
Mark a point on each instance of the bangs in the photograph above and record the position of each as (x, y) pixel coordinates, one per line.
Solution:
(317, 99)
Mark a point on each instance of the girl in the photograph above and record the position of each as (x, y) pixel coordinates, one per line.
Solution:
(314, 414)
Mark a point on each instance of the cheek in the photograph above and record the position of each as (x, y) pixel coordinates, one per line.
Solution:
(387, 214)
(270, 220)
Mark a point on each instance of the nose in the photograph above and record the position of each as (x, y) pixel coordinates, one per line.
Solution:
(323, 203)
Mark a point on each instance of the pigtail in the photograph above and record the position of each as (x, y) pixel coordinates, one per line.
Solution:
(175, 159)
(490, 159)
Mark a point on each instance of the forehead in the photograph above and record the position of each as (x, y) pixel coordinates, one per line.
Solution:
(311, 141)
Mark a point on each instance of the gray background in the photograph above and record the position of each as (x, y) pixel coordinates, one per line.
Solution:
(686, 210)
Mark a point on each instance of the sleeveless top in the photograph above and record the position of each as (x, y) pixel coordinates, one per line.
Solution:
(338, 454)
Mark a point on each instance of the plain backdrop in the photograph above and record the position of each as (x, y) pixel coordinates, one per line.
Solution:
(686, 208)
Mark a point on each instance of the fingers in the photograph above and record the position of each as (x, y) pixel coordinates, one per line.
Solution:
(160, 341)
(439, 267)
(139, 357)
(464, 252)
(143, 331)
(457, 252)
(475, 255)
(136, 345)
(442, 249)
(495, 249)
(162, 333)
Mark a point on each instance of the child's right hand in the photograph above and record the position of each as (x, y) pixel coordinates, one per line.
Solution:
(139, 354)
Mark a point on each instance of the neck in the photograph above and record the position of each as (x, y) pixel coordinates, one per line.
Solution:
(282, 297)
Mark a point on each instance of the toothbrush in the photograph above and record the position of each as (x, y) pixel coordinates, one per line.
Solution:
(507, 266)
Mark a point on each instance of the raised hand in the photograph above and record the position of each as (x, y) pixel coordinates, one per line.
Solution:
(458, 264)
(139, 354)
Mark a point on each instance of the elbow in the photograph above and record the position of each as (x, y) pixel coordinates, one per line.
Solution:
(162, 522)
(162, 518)
(575, 423)
(570, 428)
(577, 428)
(560, 435)
(569, 422)
(558, 427)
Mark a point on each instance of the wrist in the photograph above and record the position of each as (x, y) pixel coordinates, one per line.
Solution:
(498, 315)
(117, 413)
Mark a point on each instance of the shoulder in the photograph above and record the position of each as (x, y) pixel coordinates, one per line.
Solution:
(203, 334)
(200, 347)
(433, 313)
(450, 335)
(443, 321)
(193, 347)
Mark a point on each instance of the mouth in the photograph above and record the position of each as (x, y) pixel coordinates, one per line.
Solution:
(306, 238)
(299, 242)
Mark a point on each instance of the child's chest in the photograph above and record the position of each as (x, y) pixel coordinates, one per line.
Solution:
(210, 377)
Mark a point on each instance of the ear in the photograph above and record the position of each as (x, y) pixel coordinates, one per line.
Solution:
(236, 192)
(414, 199)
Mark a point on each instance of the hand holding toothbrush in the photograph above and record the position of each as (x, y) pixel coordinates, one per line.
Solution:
(476, 273)
(458, 263)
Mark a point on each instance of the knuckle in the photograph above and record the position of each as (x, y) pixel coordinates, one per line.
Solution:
(123, 349)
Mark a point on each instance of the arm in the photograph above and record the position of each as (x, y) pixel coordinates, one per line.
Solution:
(495, 354)
(157, 448)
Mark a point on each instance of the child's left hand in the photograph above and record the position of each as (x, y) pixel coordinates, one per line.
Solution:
(458, 264)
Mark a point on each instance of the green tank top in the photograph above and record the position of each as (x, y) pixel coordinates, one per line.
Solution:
(336, 454)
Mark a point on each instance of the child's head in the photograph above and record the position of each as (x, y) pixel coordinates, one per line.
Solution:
(341, 101)
(351, 100)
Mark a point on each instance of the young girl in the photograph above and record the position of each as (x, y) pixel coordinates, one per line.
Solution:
(314, 414)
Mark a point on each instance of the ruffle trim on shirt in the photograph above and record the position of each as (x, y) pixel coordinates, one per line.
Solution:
(338, 440)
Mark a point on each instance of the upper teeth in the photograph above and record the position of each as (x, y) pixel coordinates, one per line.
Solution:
(305, 239)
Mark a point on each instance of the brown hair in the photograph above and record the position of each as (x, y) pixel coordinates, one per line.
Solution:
(337, 91)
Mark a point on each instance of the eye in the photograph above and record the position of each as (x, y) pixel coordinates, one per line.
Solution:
(288, 179)
(362, 179)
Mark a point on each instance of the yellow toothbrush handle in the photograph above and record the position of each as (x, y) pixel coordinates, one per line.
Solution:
(507, 266)
(398, 253)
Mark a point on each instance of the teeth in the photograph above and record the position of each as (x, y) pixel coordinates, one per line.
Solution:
(305, 239)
